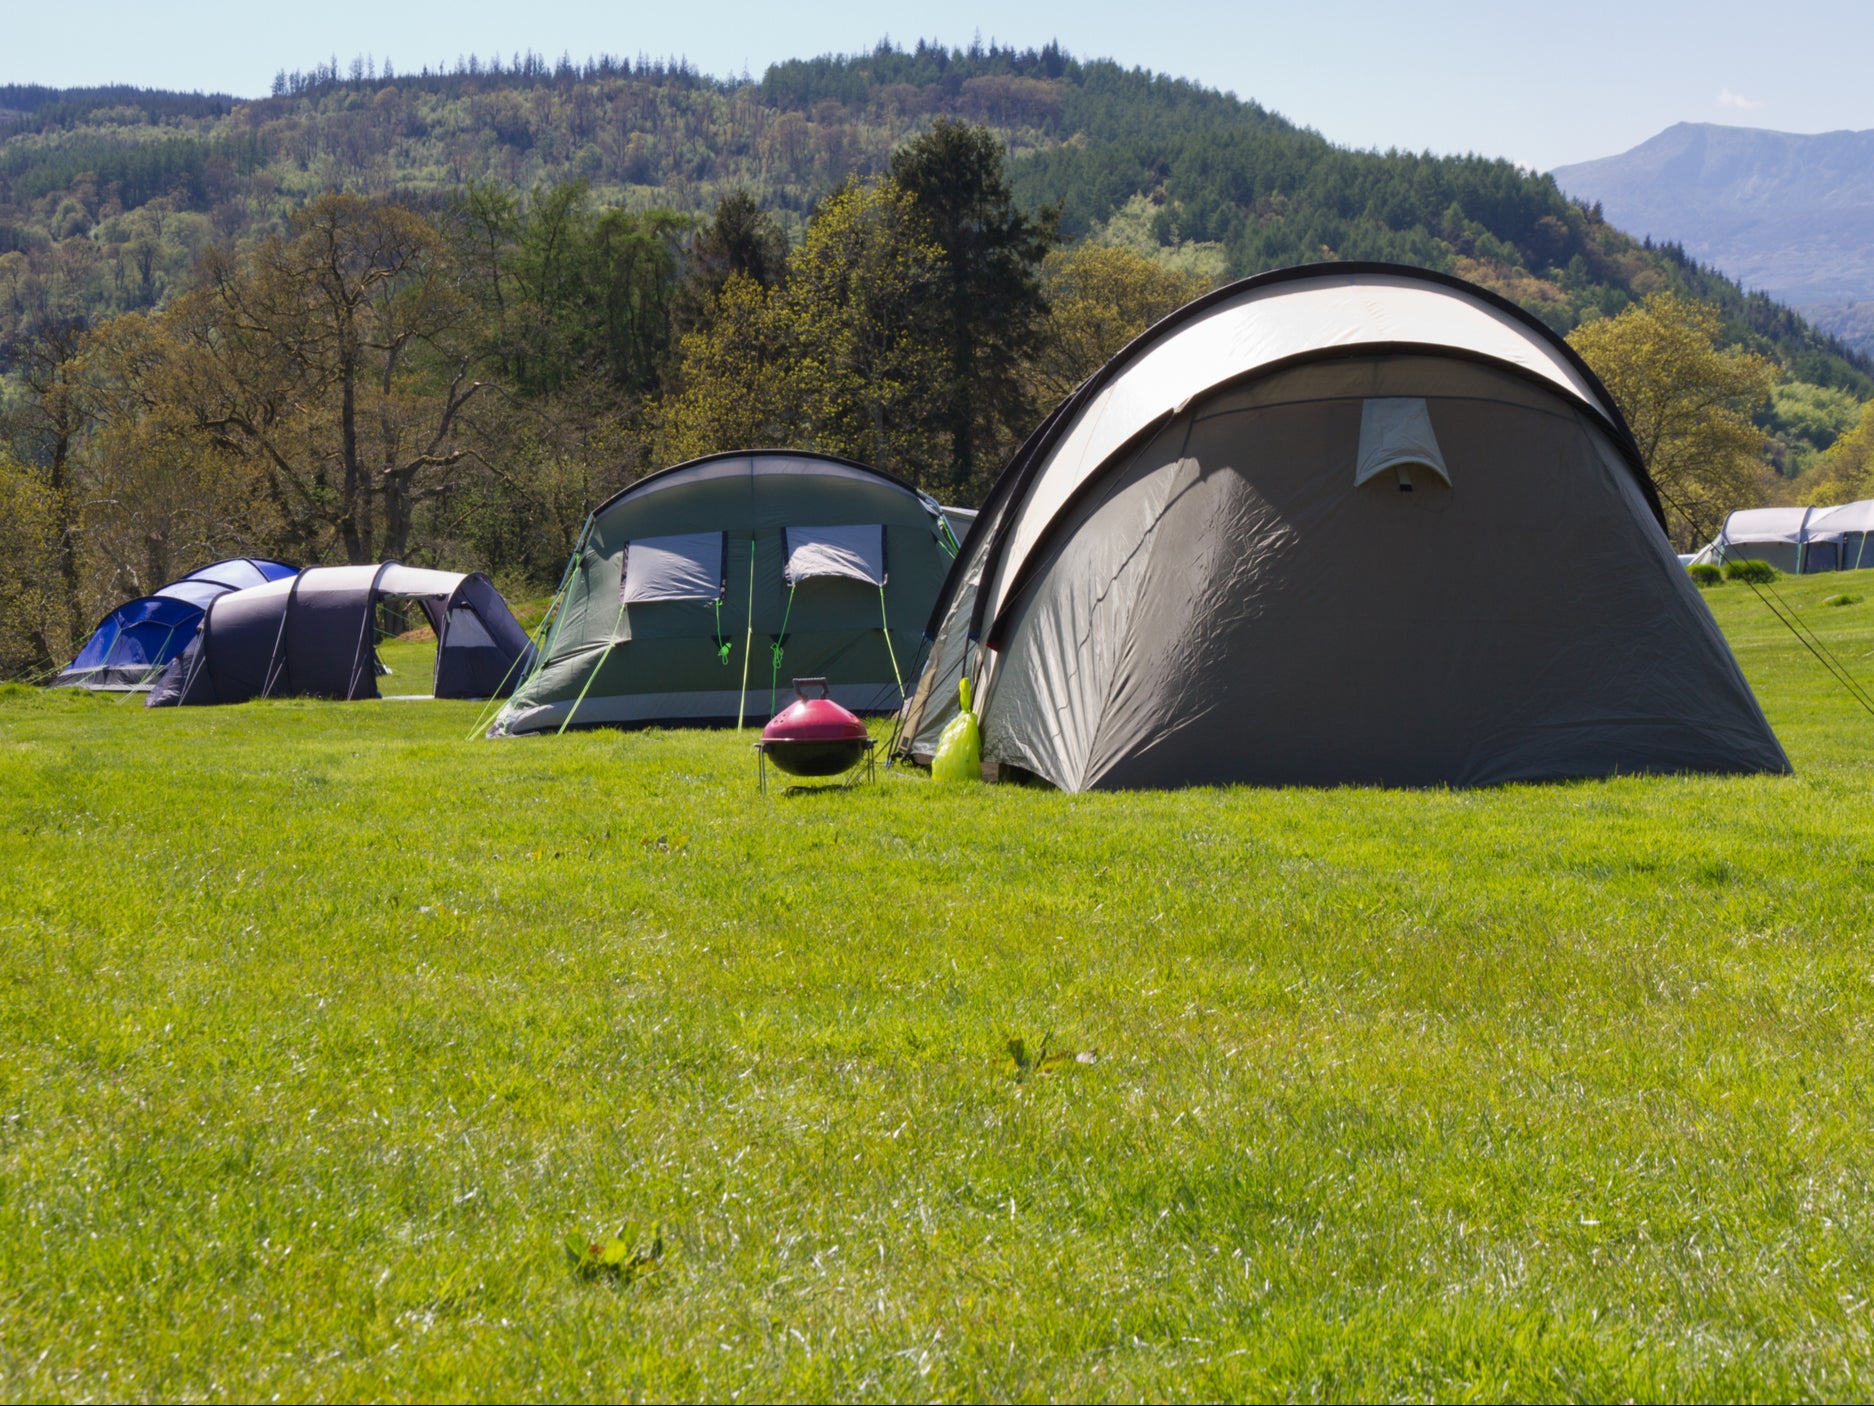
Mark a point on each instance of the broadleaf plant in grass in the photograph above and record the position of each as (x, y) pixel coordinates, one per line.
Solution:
(622, 1257)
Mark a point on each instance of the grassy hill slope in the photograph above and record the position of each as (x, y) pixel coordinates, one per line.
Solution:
(305, 1078)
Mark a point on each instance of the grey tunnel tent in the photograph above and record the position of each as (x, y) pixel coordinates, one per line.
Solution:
(315, 635)
(699, 592)
(1343, 524)
(131, 645)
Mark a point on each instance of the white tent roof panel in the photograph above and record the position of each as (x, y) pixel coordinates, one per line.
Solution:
(1263, 326)
(1835, 522)
(399, 580)
(1765, 525)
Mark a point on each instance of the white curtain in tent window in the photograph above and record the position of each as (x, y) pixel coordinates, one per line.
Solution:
(687, 566)
(857, 553)
(1396, 433)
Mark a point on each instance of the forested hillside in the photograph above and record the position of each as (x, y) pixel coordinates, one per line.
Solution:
(107, 196)
(438, 315)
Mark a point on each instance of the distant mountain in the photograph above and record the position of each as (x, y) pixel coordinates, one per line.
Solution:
(1791, 215)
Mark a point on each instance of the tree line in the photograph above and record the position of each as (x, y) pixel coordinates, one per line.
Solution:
(459, 380)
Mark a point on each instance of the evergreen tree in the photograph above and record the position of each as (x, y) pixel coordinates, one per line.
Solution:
(991, 306)
(741, 238)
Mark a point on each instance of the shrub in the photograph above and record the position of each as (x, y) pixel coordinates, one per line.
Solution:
(1705, 574)
(1753, 573)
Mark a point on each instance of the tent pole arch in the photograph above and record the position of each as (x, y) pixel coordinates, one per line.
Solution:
(368, 629)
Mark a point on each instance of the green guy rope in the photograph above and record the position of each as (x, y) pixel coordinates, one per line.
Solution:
(485, 715)
(778, 649)
(723, 648)
(116, 630)
(741, 709)
(498, 687)
(884, 616)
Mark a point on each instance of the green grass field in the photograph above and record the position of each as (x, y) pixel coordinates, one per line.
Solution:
(322, 1029)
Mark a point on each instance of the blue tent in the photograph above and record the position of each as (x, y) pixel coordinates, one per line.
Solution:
(132, 644)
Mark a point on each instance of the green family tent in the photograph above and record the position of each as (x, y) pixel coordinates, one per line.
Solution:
(696, 594)
(1343, 524)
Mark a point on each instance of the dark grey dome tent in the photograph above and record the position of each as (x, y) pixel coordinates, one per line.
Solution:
(131, 645)
(315, 635)
(1343, 524)
(697, 593)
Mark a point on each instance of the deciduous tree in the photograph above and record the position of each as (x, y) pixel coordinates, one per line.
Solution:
(34, 623)
(51, 419)
(1845, 473)
(861, 329)
(161, 498)
(340, 357)
(1099, 298)
(845, 356)
(1689, 402)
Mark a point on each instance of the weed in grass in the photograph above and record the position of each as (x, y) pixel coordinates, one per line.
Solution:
(1843, 600)
(621, 1258)
(1024, 1065)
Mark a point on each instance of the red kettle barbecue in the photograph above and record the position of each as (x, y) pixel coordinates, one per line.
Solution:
(813, 736)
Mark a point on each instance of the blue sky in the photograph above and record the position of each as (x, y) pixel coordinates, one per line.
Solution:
(1543, 85)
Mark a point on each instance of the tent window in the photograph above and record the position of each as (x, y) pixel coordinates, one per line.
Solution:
(688, 566)
(466, 631)
(855, 553)
(1396, 434)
